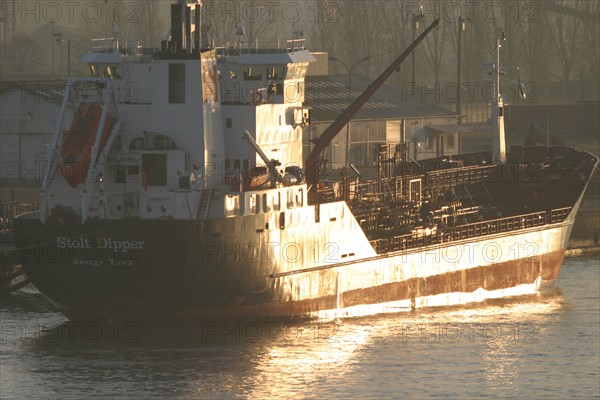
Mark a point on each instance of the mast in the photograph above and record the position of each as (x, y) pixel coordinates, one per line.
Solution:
(499, 142)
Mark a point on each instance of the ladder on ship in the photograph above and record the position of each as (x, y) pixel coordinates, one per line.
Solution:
(205, 202)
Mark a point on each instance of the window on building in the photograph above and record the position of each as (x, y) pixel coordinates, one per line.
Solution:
(255, 203)
(277, 201)
(300, 198)
(228, 122)
(429, 142)
(450, 141)
(121, 174)
(176, 83)
(126, 173)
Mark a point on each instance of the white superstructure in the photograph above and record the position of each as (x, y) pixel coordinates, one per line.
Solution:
(177, 118)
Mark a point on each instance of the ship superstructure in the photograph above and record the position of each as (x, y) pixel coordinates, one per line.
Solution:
(180, 191)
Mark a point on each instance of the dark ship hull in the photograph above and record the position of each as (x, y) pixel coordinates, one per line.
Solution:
(298, 265)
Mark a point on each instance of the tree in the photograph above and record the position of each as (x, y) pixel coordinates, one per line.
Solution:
(151, 27)
(22, 55)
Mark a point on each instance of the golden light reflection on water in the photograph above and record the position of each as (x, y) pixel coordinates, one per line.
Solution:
(496, 333)
(322, 350)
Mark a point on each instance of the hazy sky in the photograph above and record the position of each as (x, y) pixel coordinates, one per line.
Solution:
(30, 15)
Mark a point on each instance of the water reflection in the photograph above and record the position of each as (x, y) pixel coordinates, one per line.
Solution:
(491, 341)
(323, 350)
(496, 336)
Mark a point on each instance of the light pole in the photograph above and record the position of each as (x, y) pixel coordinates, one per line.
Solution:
(59, 42)
(52, 47)
(416, 19)
(349, 70)
(462, 26)
(68, 57)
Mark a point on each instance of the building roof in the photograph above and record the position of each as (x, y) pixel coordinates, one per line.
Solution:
(328, 97)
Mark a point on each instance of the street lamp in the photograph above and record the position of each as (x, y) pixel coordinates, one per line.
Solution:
(61, 43)
(462, 26)
(349, 70)
(58, 37)
(416, 19)
(52, 47)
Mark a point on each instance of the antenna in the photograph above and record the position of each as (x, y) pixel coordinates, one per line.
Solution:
(499, 141)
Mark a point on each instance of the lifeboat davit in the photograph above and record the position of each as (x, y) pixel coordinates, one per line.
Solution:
(76, 152)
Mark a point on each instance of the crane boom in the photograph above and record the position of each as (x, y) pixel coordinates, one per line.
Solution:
(311, 165)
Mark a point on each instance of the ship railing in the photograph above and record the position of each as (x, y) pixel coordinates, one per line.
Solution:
(369, 190)
(559, 215)
(588, 163)
(257, 46)
(374, 189)
(105, 45)
(451, 177)
(431, 236)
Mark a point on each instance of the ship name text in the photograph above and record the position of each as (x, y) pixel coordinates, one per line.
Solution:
(99, 243)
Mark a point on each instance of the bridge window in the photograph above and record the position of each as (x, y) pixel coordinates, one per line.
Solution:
(251, 74)
(275, 73)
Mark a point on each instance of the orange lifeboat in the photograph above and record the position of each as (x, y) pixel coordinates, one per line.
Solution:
(76, 152)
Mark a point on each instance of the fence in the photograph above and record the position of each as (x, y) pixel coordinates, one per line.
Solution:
(11, 209)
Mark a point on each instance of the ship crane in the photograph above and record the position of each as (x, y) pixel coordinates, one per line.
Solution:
(311, 165)
(272, 164)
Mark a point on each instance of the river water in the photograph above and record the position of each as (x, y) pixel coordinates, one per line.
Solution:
(531, 347)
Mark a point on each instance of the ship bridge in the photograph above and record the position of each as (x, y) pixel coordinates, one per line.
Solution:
(268, 72)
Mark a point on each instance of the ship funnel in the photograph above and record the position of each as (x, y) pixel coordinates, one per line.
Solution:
(183, 39)
(176, 44)
(197, 28)
(188, 30)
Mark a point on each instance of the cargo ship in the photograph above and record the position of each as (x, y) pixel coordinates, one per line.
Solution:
(180, 192)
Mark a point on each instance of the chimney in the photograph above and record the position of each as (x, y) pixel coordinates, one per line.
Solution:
(188, 31)
(176, 28)
(197, 28)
